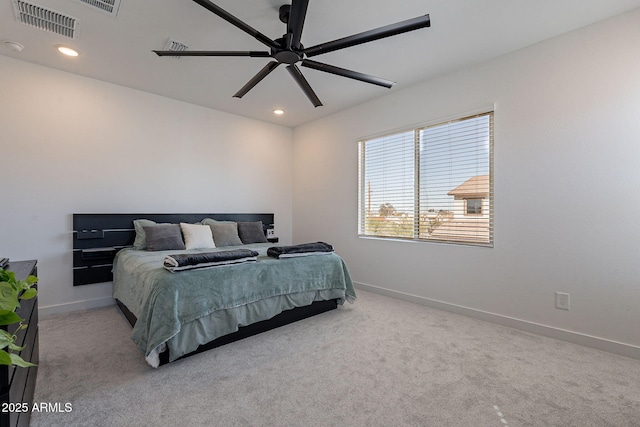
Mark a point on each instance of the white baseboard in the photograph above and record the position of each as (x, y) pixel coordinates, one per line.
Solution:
(75, 306)
(622, 349)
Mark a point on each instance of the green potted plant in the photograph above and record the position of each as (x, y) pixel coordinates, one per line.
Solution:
(11, 292)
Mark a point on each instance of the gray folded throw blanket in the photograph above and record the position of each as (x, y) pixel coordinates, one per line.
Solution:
(180, 262)
(304, 249)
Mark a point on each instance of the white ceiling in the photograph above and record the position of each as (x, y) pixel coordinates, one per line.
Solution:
(463, 32)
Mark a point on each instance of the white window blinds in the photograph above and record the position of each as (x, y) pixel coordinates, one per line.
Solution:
(433, 183)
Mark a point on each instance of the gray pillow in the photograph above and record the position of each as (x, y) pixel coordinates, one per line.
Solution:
(251, 232)
(211, 221)
(225, 233)
(140, 242)
(164, 237)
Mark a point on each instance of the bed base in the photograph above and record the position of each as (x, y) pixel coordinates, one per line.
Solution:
(284, 318)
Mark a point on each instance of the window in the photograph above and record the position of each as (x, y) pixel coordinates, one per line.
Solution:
(474, 206)
(433, 183)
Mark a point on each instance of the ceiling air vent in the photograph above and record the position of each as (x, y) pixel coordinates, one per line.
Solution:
(175, 46)
(46, 19)
(108, 6)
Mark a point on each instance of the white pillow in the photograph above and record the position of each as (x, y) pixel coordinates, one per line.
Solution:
(197, 236)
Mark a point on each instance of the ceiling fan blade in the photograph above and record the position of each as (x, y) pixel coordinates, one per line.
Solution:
(371, 35)
(347, 73)
(304, 85)
(236, 22)
(256, 79)
(253, 54)
(296, 22)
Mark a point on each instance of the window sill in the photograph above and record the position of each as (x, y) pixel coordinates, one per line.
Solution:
(432, 241)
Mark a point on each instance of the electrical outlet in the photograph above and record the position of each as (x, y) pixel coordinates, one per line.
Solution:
(562, 300)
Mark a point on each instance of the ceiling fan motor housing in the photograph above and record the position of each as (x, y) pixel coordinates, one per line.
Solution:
(286, 55)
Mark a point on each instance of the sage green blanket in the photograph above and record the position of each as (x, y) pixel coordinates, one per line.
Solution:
(166, 303)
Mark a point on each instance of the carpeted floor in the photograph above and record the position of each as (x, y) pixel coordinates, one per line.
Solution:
(378, 362)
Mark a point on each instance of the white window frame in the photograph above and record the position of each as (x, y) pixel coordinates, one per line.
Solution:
(420, 224)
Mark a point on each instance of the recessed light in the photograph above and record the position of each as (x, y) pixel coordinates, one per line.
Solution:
(67, 50)
(278, 112)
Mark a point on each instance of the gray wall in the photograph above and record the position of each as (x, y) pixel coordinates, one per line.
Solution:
(72, 144)
(567, 132)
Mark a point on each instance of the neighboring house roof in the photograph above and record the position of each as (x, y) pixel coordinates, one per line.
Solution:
(477, 186)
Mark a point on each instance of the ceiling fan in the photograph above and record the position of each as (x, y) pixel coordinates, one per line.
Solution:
(289, 50)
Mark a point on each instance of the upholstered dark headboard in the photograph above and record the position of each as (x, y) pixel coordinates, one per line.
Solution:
(97, 238)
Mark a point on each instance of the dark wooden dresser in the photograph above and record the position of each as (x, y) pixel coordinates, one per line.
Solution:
(18, 384)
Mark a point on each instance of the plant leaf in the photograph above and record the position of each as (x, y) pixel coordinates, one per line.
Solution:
(8, 276)
(8, 297)
(5, 343)
(9, 317)
(19, 361)
(14, 347)
(5, 359)
(29, 293)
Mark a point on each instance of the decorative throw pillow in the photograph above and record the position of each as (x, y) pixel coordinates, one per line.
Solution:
(164, 237)
(251, 232)
(225, 233)
(140, 242)
(197, 236)
(211, 221)
(207, 221)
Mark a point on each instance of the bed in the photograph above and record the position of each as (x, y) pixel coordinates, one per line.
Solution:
(177, 314)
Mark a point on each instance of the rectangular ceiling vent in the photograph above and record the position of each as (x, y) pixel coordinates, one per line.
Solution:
(46, 19)
(175, 46)
(107, 6)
